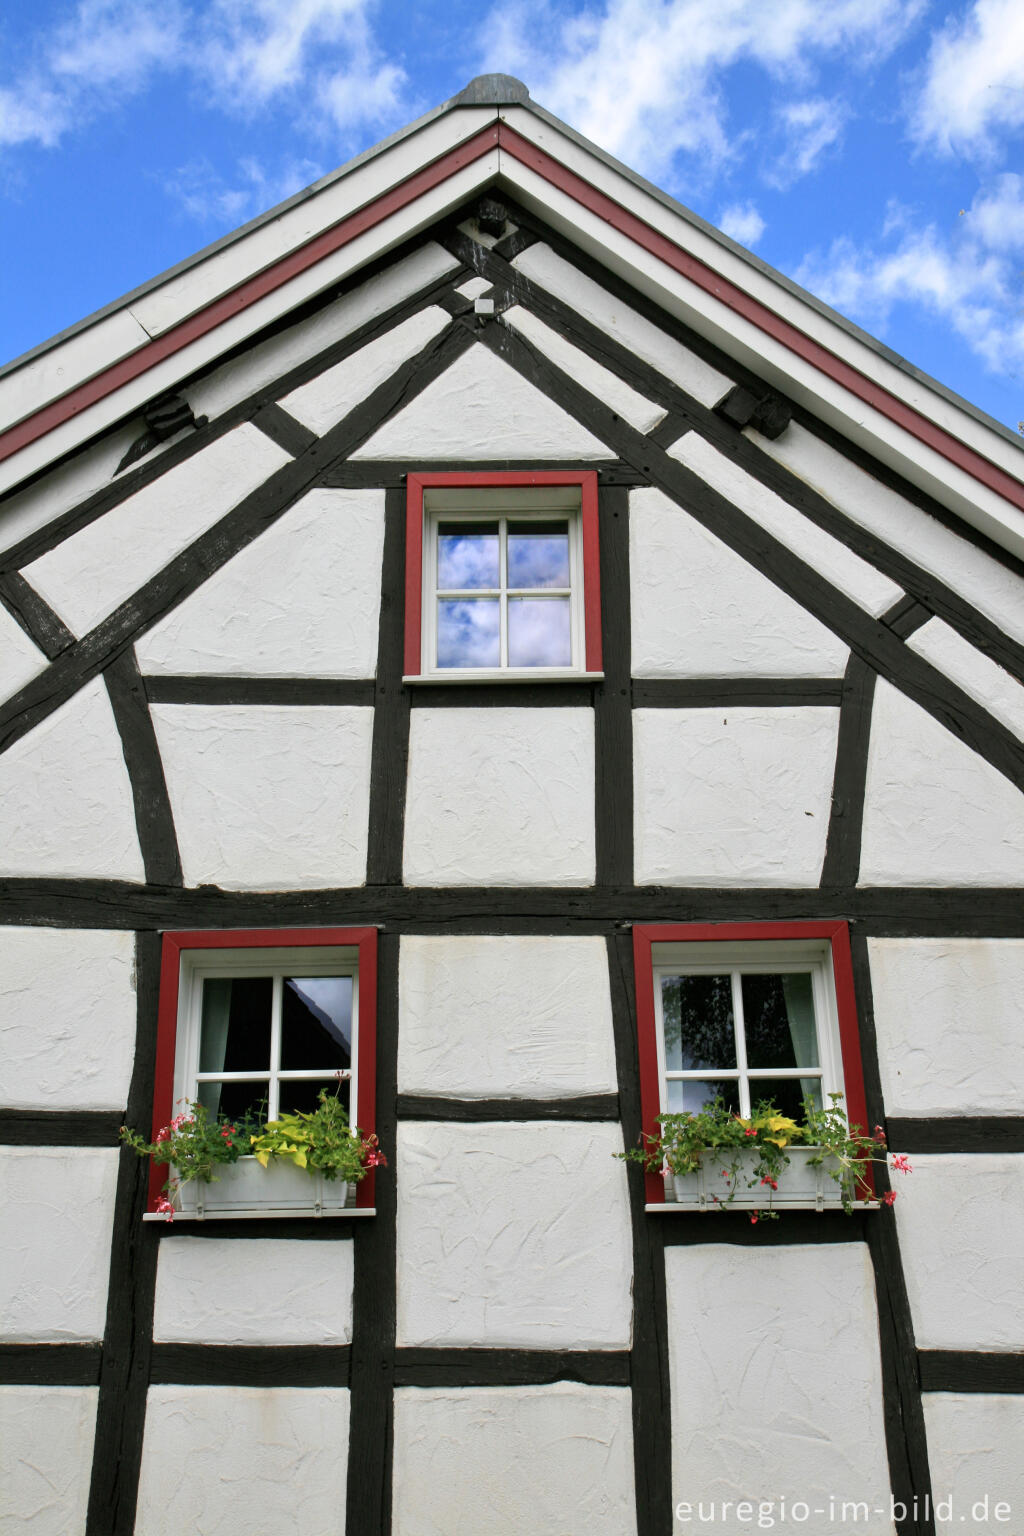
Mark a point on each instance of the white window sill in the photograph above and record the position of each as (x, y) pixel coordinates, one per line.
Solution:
(671, 1208)
(261, 1215)
(529, 675)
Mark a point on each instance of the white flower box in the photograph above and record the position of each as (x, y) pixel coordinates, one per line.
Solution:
(802, 1185)
(246, 1188)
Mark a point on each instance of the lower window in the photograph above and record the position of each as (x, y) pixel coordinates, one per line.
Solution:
(745, 1013)
(254, 1025)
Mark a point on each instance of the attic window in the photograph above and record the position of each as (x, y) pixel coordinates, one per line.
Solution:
(502, 577)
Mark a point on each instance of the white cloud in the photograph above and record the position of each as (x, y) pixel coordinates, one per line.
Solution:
(643, 77)
(969, 277)
(742, 222)
(810, 128)
(203, 194)
(973, 83)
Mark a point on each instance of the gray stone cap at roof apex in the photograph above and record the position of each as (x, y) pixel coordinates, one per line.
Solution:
(491, 91)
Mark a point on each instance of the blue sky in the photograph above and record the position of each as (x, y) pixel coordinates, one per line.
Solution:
(871, 149)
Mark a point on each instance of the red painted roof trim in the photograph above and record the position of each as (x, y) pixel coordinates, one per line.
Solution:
(645, 235)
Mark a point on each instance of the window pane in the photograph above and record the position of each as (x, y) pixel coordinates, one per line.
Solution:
(693, 1095)
(301, 1097)
(538, 632)
(468, 632)
(778, 1013)
(538, 554)
(316, 1023)
(235, 1101)
(235, 1031)
(467, 556)
(697, 1011)
(786, 1093)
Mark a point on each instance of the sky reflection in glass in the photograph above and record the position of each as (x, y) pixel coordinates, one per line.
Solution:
(468, 632)
(467, 557)
(538, 632)
(538, 555)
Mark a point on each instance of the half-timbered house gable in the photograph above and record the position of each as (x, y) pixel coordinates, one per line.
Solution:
(283, 696)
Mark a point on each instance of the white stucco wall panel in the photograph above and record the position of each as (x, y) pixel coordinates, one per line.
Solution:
(732, 796)
(57, 1206)
(66, 806)
(854, 577)
(497, 1238)
(67, 1018)
(678, 364)
(268, 797)
(698, 610)
(961, 1229)
(46, 1436)
(303, 600)
(554, 1461)
(487, 1017)
(66, 486)
(219, 1460)
(974, 1443)
(500, 797)
(776, 1381)
(948, 1024)
(96, 569)
(275, 357)
(480, 408)
(977, 674)
(20, 660)
(325, 400)
(935, 813)
(253, 1291)
(990, 586)
(607, 387)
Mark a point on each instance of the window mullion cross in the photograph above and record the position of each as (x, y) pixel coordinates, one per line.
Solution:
(741, 1041)
(503, 584)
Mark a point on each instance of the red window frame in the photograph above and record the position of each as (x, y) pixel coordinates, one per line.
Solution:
(416, 484)
(175, 944)
(645, 936)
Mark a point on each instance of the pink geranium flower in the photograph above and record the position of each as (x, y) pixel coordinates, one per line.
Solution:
(901, 1163)
(890, 1197)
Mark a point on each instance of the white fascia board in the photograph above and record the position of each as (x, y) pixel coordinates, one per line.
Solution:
(772, 361)
(164, 376)
(46, 376)
(863, 352)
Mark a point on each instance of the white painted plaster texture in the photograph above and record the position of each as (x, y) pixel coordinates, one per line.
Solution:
(480, 408)
(974, 1456)
(274, 358)
(249, 1291)
(98, 568)
(328, 398)
(67, 1018)
(266, 1461)
(489, 1017)
(499, 1237)
(935, 813)
(699, 610)
(961, 1229)
(776, 1379)
(851, 575)
(607, 387)
(994, 589)
(732, 796)
(303, 600)
(975, 673)
(66, 805)
(948, 1024)
(624, 325)
(46, 1436)
(500, 797)
(19, 658)
(268, 797)
(57, 1206)
(66, 486)
(554, 1461)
